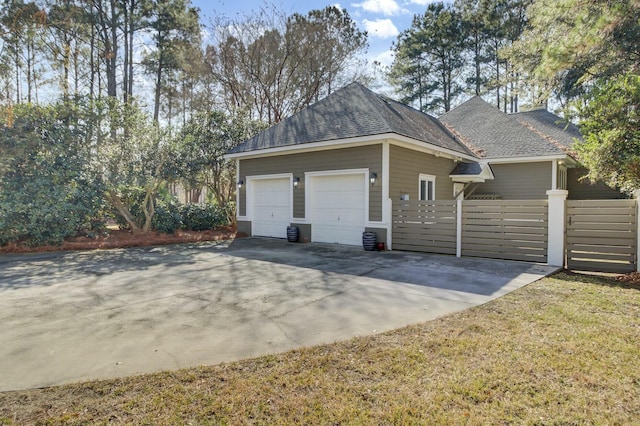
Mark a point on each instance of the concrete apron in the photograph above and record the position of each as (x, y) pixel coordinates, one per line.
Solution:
(79, 316)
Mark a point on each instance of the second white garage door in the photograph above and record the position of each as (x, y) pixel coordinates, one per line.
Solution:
(338, 208)
(271, 207)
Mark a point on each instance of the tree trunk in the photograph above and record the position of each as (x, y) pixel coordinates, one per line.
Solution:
(125, 79)
(156, 108)
(131, 34)
(92, 65)
(29, 65)
(122, 210)
(148, 208)
(112, 53)
(17, 64)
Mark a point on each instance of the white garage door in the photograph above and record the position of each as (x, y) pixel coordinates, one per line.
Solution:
(338, 209)
(271, 207)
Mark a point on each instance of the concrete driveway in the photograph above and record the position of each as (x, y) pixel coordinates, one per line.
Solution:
(77, 316)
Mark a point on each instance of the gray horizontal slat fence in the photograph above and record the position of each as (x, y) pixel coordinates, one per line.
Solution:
(601, 235)
(512, 230)
(426, 226)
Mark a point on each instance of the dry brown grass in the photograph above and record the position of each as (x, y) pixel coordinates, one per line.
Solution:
(564, 350)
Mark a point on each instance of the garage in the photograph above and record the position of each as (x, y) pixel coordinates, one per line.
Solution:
(338, 208)
(271, 206)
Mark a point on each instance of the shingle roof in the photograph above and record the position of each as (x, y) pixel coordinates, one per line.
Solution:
(353, 111)
(500, 135)
(462, 169)
(550, 124)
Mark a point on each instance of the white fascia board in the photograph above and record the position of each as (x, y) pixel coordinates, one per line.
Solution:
(309, 147)
(486, 173)
(467, 178)
(393, 138)
(526, 159)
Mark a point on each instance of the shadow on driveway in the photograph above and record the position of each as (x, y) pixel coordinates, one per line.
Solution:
(469, 275)
(76, 316)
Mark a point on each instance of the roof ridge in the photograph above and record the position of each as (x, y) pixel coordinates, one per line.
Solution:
(546, 137)
(369, 93)
(435, 120)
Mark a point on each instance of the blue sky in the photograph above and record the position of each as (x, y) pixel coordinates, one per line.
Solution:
(382, 19)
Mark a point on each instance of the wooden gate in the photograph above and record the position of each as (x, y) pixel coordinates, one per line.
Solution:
(427, 226)
(512, 230)
(601, 235)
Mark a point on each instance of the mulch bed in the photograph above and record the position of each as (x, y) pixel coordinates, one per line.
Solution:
(123, 238)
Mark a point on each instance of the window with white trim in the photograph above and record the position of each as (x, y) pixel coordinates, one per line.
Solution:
(427, 187)
(562, 177)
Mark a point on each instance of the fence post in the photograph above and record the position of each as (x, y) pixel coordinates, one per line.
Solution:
(556, 226)
(459, 227)
(389, 210)
(636, 196)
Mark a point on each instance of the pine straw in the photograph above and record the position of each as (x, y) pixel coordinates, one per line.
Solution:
(563, 350)
(123, 239)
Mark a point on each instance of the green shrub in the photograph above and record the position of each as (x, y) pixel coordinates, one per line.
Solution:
(198, 217)
(167, 217)
(48, 191)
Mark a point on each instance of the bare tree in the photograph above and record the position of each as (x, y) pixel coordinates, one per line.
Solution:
(274, 65)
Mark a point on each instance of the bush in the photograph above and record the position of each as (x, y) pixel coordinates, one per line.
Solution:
(170, 215)
(48, 191)
(198, 217)
(167, 218)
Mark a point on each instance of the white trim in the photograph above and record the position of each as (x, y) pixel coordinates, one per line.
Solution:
(526, 159)
(459, 226)
(416, 145)
(387, 213)
(309, 193)
(556, 226)
(554, 174)
(237, 178)
(466, 179)
(427, 178)
(338, 172)
(243, 218)
(249, 191)
(562, 176)
(394, 138)
(308, 147)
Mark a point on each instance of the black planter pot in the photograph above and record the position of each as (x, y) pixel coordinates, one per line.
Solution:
(293, 233)
(369, 241)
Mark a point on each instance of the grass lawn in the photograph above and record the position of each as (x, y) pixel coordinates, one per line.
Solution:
(563, 350)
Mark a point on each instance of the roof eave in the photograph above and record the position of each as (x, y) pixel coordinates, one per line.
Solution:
(351, 142)
(527, 159)
(485, 174)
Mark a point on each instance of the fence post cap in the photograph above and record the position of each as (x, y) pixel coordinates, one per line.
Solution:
(557, 192)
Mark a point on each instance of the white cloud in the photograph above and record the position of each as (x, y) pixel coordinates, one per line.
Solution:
(385, 59)
(386, 7)
(381, 28)
(421, 2)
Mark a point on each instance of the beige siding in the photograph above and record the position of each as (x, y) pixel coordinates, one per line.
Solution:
(584, 190)
(405, 168)
(365, 157)
(519, 181)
